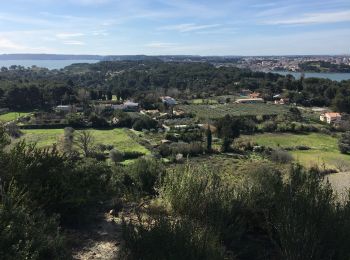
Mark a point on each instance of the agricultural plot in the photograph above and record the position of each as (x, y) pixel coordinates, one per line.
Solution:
(12, 116)
(119, 138)
(324, 148)
(218, 111)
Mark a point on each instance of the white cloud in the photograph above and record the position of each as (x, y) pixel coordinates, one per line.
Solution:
(161, 45)
(9, 45)
(73, 43)
(188, 27)
(90, 2)
(315, 18)
(68, 35)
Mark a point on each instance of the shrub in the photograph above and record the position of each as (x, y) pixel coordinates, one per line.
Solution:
(98, 121)
(145, 174)
(170, 239)
(281, 156)
(344, 143)
(25, 231)
(116, 156)
(75, 120)
(59, 184)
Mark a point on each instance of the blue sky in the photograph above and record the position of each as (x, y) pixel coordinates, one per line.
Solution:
(206, 27)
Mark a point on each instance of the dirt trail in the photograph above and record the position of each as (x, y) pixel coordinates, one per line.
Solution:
(102, 242)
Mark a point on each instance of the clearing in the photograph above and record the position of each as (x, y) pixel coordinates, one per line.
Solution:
(119, 138)
(324, 148)
(218, 111)
(11, 116)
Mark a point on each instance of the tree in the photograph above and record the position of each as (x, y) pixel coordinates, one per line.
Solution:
(209, 138)
(228, 128)
(4, 138)
(344, 142)
(84, 141)
(68, 140)
(116, 156)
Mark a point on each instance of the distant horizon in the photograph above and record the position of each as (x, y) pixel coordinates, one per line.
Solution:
(167, 55)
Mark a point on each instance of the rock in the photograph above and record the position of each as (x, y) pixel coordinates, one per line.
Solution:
(112, 212)
(179, 157)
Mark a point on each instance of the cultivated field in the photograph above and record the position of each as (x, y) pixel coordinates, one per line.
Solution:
(12, 116)
(119, 138)
(324, 148)
(218, 111)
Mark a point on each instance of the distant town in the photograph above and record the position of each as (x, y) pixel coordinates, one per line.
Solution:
(302, 63)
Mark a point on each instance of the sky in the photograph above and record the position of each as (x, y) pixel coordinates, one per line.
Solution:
(173, 27)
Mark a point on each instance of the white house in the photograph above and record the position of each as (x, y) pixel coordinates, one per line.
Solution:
(249, 101)
(330, 117)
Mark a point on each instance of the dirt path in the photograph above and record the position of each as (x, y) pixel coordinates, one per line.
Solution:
(102, 242)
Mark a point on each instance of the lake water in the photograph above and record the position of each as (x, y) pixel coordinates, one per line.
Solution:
(50, 64)
(332, 76)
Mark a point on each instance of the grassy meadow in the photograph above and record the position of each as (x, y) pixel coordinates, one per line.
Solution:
(218, 111)
(324, 148)
(119, 138)
(12, 116)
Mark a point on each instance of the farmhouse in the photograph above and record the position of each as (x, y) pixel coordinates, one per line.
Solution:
(249, 101)
(255, 95)
(330, 117)
(131, 106)
(282, 101)
(168, 101)
(127, 106)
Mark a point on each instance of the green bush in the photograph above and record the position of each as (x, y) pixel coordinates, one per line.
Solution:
(25, 231)
(145, 174)
(170, 239)
(59, 184)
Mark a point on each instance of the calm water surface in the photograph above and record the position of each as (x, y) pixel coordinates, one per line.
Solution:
(50, 64)
(332, 76)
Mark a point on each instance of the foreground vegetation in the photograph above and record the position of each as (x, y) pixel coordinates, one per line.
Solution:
(272, 211)
(203, 179)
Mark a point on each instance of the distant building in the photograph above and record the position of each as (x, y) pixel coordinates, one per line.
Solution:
(131, 106)
(282, 101)
(169, 101)
(249, 101)
(127, 106)
(330, 117)
(255, 95)
(67, 108)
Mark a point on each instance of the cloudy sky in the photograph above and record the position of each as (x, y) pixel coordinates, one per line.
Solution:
(198, 27)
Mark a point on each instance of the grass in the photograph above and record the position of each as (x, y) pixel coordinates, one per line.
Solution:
(116, 137)
(199, 101)
(324, 148)
(12, 116)
(218, 111)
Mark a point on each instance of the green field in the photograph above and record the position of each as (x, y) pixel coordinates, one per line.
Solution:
(116, 137)
(199, 101)
(324, 148)
(218, 111)
(12, 116)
